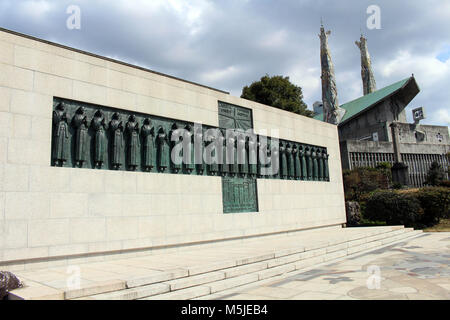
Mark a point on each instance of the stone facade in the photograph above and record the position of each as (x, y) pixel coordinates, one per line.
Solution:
(372, 122)
(49, 212)
(418, 156)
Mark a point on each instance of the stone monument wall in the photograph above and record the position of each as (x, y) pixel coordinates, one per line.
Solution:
(56, 211)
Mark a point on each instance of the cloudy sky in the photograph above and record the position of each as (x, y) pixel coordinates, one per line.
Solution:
(227, 44)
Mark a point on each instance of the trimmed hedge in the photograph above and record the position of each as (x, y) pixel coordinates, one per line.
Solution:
(436, 174)
(435, 202)
(393, 208)
(413, 208)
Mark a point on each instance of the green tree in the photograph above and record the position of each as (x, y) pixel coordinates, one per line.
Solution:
(448, 163)
(435, 174)
(278, 92)
(363, 180)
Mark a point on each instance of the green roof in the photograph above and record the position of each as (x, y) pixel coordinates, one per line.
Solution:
(318, 116)
(354, 107)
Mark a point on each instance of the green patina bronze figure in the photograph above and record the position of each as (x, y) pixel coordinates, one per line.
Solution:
(60, 136)
(198, 150)
(252, 147)
(304, 167)
(283, 162)
(100, 143)
(162, 142)
(320, 163)
(315, 164)
(175, 139)
(148, 134)
(132, 128)
(212, 154)
(290, 161)
(325, 166)
(242, 155)
(309, 163)
(274, 153)
(221, 154)
(188, 149)
(260, 152)
(232, 156)
(80, 124)
(296, 158)
(116, 128)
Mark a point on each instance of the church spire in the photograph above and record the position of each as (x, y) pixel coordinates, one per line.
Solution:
(369, 84)
(331, 111)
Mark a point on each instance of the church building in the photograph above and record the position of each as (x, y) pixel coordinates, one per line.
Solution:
(365, 135)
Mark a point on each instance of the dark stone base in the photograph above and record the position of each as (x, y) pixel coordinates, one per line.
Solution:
(400, 174)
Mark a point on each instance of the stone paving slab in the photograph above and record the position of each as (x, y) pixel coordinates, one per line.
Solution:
(95, 288)
(241, 270)
(195, 280)
(184, 294)
(36, 291)
(131, 294)
(233, 282)
(160, 276)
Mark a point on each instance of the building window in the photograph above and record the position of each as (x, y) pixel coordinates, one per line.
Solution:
(375, 136)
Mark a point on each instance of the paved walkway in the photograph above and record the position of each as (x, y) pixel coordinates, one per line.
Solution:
(414, 269)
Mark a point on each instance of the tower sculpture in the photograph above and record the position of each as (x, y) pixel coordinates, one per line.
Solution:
(331, 111)
(368, 80)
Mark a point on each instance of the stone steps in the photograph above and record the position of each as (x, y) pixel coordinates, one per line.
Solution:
(206, 279)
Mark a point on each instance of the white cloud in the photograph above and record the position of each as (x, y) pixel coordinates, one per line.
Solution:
(309, 80)
(427, 68)
(441, 115)
(349, 85)
(190, 13)
(220, 74)
(35, 8)
(275, 39)
(441, 10)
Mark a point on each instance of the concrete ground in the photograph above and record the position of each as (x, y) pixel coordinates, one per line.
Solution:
(414, 269)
